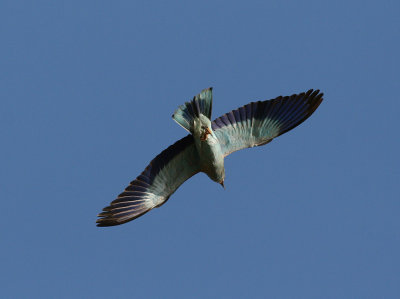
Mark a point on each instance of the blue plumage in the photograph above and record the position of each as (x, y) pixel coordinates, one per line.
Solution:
(254, 124)
(186, 114)
(141, 195)
(257, 123)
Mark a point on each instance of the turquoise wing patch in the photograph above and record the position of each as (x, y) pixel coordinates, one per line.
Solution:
(257, 123)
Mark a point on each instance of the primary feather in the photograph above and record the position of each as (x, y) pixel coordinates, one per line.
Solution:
(257, 123)
(154, 185)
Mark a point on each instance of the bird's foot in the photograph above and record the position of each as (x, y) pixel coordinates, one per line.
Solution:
(205, 134)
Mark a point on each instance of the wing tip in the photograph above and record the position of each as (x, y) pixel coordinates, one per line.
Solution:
(312, 98)
(110, 219)
(136, 199)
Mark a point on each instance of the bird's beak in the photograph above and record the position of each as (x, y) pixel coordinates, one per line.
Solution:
(208, 130)
(222, 184)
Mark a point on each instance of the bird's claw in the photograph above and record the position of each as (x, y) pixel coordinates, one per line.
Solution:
(204, 136)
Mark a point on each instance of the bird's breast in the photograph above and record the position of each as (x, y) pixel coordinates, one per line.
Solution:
(211, 158)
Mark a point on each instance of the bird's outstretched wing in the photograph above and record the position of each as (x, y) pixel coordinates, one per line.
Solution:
(257, 123)
(155, 185)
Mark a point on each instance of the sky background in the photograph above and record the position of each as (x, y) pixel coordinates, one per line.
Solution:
(87, 90)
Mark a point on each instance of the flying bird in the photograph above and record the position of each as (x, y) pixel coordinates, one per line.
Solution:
(205, 148)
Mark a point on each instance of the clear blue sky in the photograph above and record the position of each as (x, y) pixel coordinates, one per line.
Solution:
(87, 89)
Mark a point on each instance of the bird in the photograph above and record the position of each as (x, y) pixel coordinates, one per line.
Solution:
(206, 146)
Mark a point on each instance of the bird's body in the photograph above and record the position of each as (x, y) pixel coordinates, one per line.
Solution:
(211, 158)
(206, 147)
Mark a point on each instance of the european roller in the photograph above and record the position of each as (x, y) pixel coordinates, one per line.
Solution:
(205, 148)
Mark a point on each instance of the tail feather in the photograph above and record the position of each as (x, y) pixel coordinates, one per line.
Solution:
(188, 112)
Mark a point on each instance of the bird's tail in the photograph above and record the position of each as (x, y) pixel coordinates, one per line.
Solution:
(188, 112)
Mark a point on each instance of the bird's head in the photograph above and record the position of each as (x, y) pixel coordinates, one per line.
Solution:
(221, 177)
(222, 184)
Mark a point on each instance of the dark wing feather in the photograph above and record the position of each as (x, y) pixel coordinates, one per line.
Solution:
(257, 123)
(154, 185)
